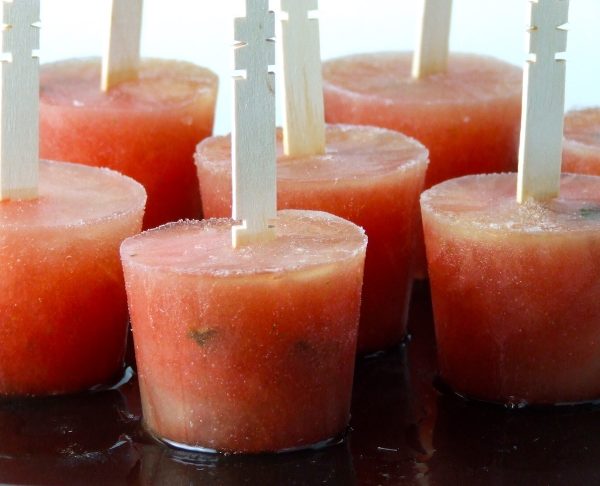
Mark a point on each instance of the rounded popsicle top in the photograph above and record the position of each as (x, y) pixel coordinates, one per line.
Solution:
(388, 75)
(304, 240)
(487, 203)
(353, 153)
(161, 85)
(73, 195)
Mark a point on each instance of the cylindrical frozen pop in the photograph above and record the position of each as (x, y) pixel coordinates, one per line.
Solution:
(63, 309)
(467, 116)
(246, 349)
(515, 289)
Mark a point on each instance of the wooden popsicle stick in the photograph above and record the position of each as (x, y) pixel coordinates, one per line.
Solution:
(304, 113)
(431, 53)
(540, 152)
(253, 138)
(121, 58)
(19, 94)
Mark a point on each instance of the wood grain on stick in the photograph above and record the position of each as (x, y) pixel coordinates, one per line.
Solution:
(304, 113)
(19, 93)
(540, 153)
(121, 58)
(253, 138)
(431, 52)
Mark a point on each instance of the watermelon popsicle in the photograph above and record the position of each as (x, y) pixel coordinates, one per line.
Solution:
(146, 128)
(63, 306)
(249, 349)
(515, 289)
(582, 142)
(370, 176)
(466, 115)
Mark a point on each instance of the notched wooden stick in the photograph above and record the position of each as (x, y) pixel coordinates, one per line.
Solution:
(253, 138)
(19, 106)
(121, 58)
(431, 52)
(304, 113)
(540, 152)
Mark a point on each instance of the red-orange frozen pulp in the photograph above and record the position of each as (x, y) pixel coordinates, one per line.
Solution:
(516, 289)
(370, 176)
(582, 142)
(249, 349)
(63, 309)
(146, 129)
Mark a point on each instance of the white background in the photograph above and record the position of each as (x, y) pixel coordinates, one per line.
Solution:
(201, 31)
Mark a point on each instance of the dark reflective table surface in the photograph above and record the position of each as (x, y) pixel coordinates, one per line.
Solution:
(403, 432)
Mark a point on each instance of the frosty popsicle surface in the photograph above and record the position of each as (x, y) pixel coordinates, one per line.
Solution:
(63, 305)
(515, 289)
(248, 349)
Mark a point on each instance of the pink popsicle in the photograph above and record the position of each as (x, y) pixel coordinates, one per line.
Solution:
(248, 349)
(515, 289)
(63, 310)
(468, 117)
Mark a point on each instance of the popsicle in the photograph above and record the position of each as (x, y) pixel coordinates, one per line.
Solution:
(63, 311)
(463, 107)
(515, 283)
(581, 150)
(245, 329)
(145, 125)
(370, 176)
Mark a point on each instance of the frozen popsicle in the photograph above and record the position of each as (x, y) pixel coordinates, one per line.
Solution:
(582, 142)
(515, 288)
(245, 329)
(146, 125)
(463, 107)
(63, 308)
(248, 349)
(515, 281)
(63, 312)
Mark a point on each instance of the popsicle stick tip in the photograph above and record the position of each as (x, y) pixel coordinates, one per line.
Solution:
(433, 38)
(19, 93)
(253, 139)
(121, 58)
(304, 112)
(540, 152)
